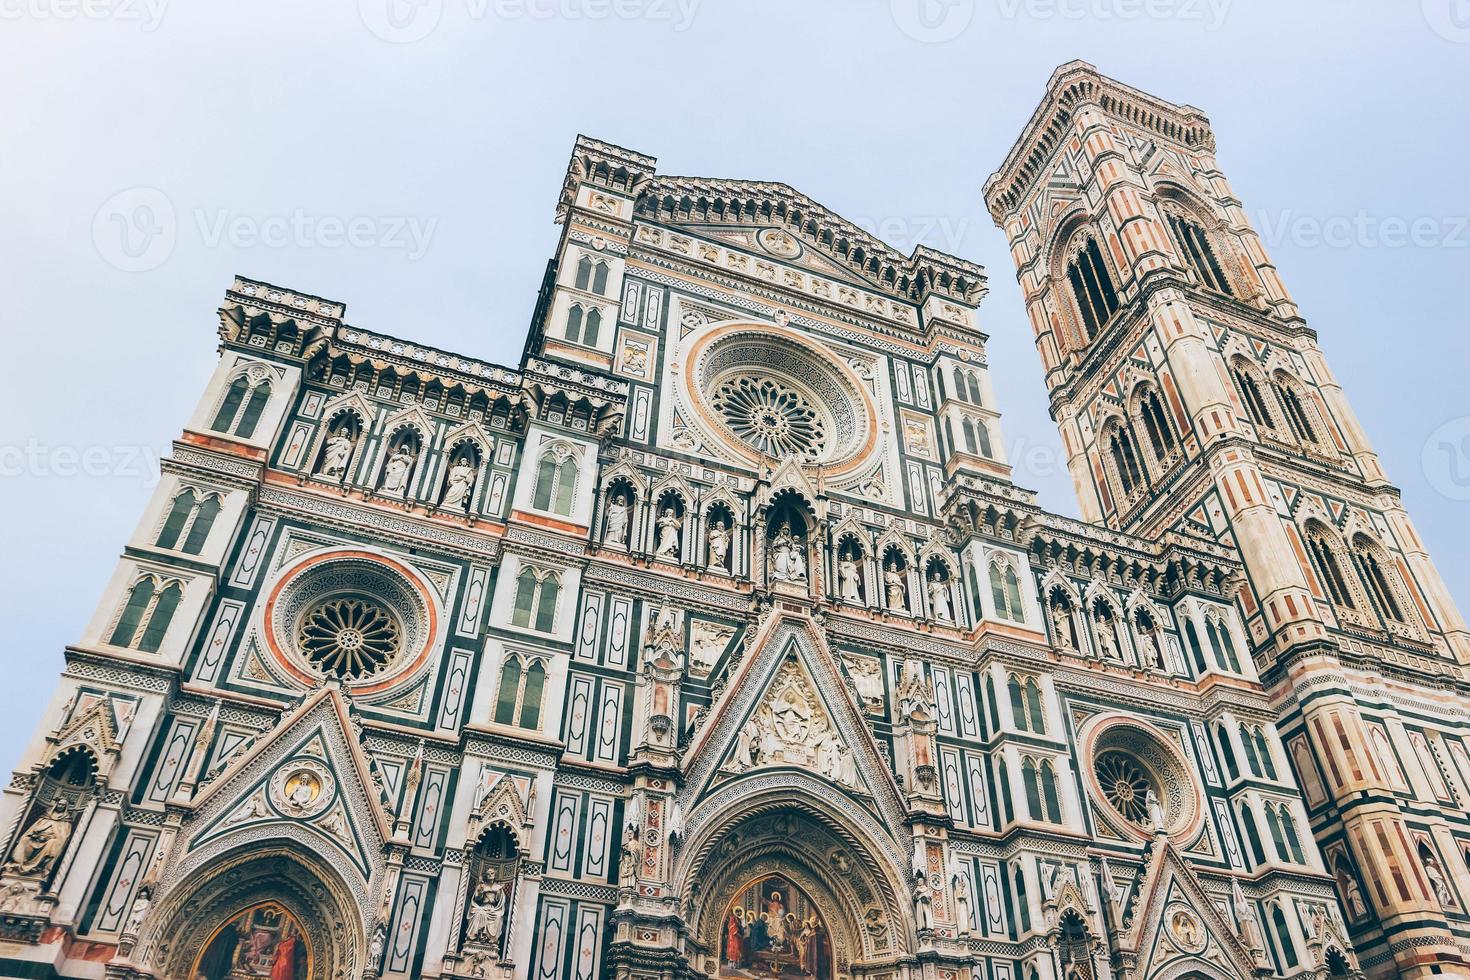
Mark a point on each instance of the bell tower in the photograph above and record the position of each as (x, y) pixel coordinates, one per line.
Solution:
(1192, 398)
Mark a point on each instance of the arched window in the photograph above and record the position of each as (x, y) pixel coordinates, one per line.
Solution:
(1033, 790)
(531, 695)
(1292, 838)
(1018, 702)
(968, 426)
(189, 520)
(1252, 834)
(972, 386)
(1048, 776)
(146, 615)
(1194, 248)
(1005, 591)
(982, 431)
(593, 328)
(1156, 424)
(1221, 644)
(1323, 552)
(1263, 753)
(573, 331)
(1250, 393)
(510, 687)
(522, 687)
(591, 275)
(1023, 906)
(1292, 407)
(1092, 288)
(1252, 759)
(239, 413)
(1371, 566)
(1004, 791)
(556, 483)
(535, 600)
(1125, 459)
(1033, 706)
(1191, 635)
(994, 708)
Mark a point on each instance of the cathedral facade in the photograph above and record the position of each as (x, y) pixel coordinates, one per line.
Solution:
(714, 639)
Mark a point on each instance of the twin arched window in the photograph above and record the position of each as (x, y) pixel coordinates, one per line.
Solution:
(146, 614)
(1005, 590)
(189, 519)
(1092, 287)
(592, 275)
(1371, 561)
(522, 687)
(977, 437)
(535, 600)
(556, 483)
(1222, 644)
(1257, 752)
(1373, 568)
(1323, 552)
(1026, 704)
(239, 413)
(1250, 393)
(1156, 424)
(1284, 834)
(583, 325)
(967, 386)
(1040, 782)
(1125, 459)
(1291, 406)
(1194, 247)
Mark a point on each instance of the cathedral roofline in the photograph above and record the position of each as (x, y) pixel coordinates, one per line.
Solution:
(1071, 86)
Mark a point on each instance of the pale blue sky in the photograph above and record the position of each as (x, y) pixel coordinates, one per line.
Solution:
(260, 127)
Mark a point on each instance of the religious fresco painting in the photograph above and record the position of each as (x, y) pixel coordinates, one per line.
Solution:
(262, 942)
(773, 930)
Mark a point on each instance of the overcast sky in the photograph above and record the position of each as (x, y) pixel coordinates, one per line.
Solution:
(252, 136)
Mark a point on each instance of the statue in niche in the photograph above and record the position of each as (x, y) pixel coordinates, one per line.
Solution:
(959, 884)
(336, 454)
(718, 540)
(893, 586)
(1437, 881)
(923, 904)
(1107, 641)
(461, 481)
(396, 472)
(1155, 811)
(669, 525)
(41, 845)
(487, 911)
(788, 563)
(939, 598)
(1148, 644)
(848, 580)
(618, 513)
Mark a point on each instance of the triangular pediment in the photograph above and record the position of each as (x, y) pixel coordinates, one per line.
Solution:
(1175, 920)
(309, 774)
(789, 706)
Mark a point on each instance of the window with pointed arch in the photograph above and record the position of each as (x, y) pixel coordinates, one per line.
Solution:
(536, 597)
(1380, 578)
(1222, 643)
(1294, 407)
(556, 482)
(1092, 286)
(1149, 409)
(1196, 649)
(1125, 466)
(584, 325)
(522, 687)
(1227, 751)
(1324, 553)
(967, 386)
(1252, 832)
(977, 437)
(1040, 781)
(1249, 383)
(1283, 936)
(191, 514)
(240, 410)
(592, 275)
(1195, 249)
(1026, 704)
(1005, 793)
(1257, 752)
(146, 614)
(1005, 591)
(1284, 834)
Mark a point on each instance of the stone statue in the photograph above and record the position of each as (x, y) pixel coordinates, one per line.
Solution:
(376, 946)
(893, 585)
(460, 482)
(960, 886)
(1353, 895)
(139, 910)
(743, 750)
(668, 535)
(1438, 883)
(396, 473)
(1107, 642)
(487, 911)
(788, 564)
(939, 598)
(1148, 642)
(618, 511)
(1155, 811)
(334, 457)
(628, 862)
(1250, 932)
(718, 540)
(923, 905)
(847, 578)
(42, 843)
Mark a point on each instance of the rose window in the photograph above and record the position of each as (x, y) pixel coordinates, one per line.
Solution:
(349, 637)
(771, 417)
(1125, 785)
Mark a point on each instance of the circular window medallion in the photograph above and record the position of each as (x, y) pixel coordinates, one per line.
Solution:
(349, 637)
(764, 393)
(359, 618)
(1142, 778)
(302, 788)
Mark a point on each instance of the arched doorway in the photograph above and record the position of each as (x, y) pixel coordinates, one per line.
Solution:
(273, 911)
